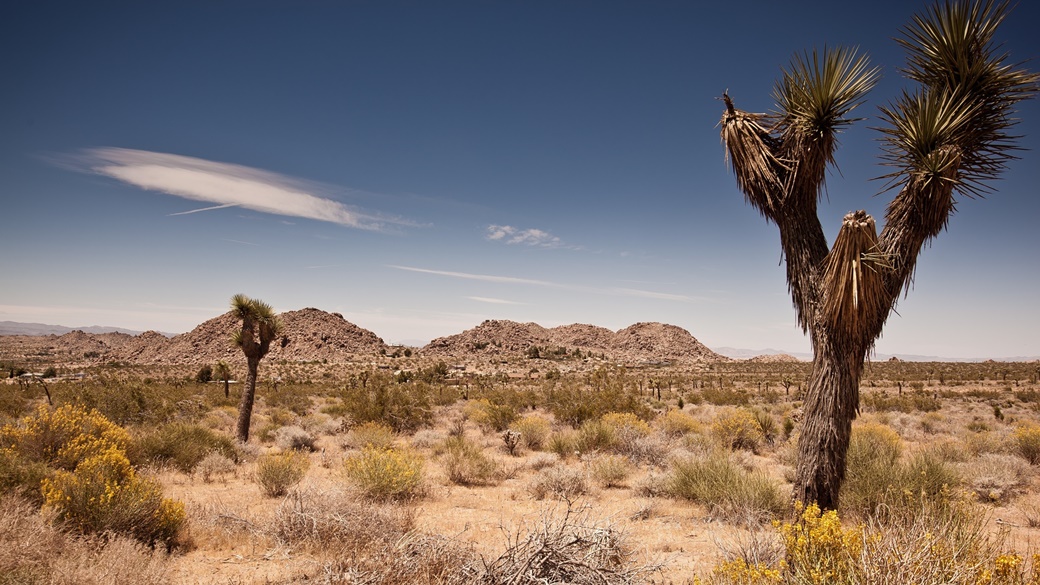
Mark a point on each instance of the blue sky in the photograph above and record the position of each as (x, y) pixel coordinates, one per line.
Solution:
(422, 166)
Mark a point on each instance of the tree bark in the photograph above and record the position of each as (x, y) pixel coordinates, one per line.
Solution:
(831, 404)
(245, 406)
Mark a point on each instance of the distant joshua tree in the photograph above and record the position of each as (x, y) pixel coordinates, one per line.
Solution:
(222, 371)
(260, 326)
(948, 136)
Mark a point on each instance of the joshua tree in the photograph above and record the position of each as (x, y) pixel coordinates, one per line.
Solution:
(223, 372)
(945, 138)
(259, 328)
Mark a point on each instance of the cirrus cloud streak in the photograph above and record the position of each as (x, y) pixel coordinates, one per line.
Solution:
(227, 185)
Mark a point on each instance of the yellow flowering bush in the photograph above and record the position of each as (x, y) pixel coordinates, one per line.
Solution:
(819, 550)
(534, 430)
(677, 423)
(737, 428)
(386, 474)
(64, 436)
(741, 572)
(104, 494)
(1026, 439)
(372, 433)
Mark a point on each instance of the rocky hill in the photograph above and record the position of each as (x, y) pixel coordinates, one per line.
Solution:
(639, 343)
(308, 335)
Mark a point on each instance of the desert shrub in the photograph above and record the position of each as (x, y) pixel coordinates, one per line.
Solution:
(293, 398)
(182, 445)
(737, 428)
(294, 438)
(626, 428)
(563, 443)
(725, 488)
(1026, 441)
(491, 416)
(594, 435)
(386, 474)
(946, 544)
(567, 549)
(126, 404)
(610, 471)
(64, 436)
(21, 477)
(559, 482)
(995, 478)
(540, 461)
(371, 434)
(573, 403)
(104, 494)
(402, 407)
(35, 551)
(723, 396)
(277, 472)
(676, 423)
(334, 522)
(767, 423)
(534, 430)
(465, 463)
(876, 481)
(918, 400)
(213, 465)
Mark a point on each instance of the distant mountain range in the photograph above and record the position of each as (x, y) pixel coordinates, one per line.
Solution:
(16, 328)
(42, 329)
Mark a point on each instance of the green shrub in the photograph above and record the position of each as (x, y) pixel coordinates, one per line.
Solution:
(563, 443)
(574, 403)
(21, 476)
(276, 473)
(104, 494)
(182, 445)
(386, 474)
(725, 488)
(491, 416)
(466, 464)
(402, 407)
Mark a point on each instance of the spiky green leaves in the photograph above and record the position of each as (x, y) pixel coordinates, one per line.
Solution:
(963, 109)
(260, 325)
(816, 92)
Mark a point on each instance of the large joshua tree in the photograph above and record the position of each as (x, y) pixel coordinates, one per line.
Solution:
(946, 138)
(260, 326)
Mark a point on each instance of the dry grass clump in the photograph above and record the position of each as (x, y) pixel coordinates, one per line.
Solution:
(569, 548)
(610, 471)
(294, 438)
(534, 430)
(277, 472)
(357, 542)
(725, 488)
(465, 463)
(995, 478)
(182, 445)
(371, 434)
(35, 551)
(213, 466)
(386, 474)
(560, 482)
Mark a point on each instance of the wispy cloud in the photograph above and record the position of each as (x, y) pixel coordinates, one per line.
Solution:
(483, 277)
(494, 301)
(227, 185)
(529, 237)
(614, 291)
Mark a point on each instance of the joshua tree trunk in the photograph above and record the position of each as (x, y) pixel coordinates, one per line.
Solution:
(245, 405)
(947, 137)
